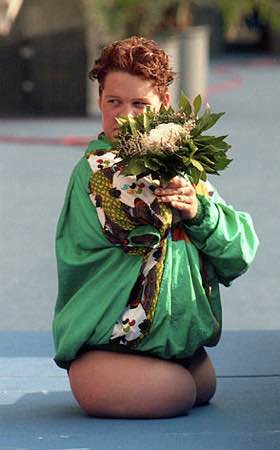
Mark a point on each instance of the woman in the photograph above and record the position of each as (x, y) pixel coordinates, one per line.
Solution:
(164, 371)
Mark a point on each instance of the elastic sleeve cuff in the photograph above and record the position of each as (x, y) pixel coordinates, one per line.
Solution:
(200, 214)
(205, 223)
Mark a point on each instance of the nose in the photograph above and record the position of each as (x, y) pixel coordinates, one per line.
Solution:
(126, 109)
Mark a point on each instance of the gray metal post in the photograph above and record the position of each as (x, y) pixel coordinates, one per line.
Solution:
(171, 45)
(194, 60)
(189, 57)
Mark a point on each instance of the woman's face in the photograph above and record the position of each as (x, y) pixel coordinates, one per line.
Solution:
(125, 94)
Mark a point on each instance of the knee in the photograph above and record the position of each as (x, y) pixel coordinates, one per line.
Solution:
(88, 398)
(190, 395)
(96, 406)
(99, 402)
(206, 388)
(93, 394)
(172, 395)
(86, 393)
(204, 376)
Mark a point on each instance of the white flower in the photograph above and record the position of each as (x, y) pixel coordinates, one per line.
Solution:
(166, 135)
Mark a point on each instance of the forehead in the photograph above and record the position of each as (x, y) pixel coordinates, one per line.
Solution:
(125, 84)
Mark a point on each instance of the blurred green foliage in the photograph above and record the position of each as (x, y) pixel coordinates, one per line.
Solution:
(122, 18)
(234, 10)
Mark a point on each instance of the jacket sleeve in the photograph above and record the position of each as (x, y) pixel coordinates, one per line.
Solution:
(225, 236)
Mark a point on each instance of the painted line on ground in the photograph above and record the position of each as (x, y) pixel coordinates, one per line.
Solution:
(71, 141)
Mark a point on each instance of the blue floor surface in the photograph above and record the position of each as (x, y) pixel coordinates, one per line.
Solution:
(37, 410)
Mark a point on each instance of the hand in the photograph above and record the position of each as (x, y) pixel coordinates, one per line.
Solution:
(181, 195)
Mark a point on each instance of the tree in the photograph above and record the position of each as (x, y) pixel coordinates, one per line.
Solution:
(121, 18)
(234, 11)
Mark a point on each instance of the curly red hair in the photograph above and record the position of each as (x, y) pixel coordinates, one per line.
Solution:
(137, 56)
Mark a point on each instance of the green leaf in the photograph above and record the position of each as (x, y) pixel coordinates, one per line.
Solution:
(138, 120)
(210, 169)
(197, 104)
(213, 118)
(209, 139)
(146, 120)
(222, 163)
(186, 161)
(194, 174)
(184, 151)
(134, 167)
(163, 110)
(197, 164)
(121, 121)
(203, 176)
(169, 110)
(162, 163)
(151, 164)
(193, 148)
(132, 124)
(206, 160)
(206, 121)
(201, 122)
(184, 104)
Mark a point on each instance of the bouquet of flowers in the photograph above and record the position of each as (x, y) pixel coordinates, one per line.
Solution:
(167, 143)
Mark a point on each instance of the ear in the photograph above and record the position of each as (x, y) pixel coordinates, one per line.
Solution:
(166, 99)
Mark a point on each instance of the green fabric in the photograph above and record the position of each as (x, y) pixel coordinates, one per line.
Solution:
(95, 277)
(151, 234)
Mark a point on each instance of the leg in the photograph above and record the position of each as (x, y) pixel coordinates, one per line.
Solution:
(204, 376)
(108, 384)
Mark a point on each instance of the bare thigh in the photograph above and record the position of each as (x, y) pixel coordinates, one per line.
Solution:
(108, 384)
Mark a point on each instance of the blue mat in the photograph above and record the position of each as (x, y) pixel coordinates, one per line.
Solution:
(37, 410)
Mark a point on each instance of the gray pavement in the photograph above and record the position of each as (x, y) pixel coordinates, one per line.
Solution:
(34, 177)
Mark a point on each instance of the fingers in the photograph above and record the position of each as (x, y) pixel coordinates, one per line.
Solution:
(169, 191)
(177, 198)
(178, 182)
(181, 195)
(182, 206)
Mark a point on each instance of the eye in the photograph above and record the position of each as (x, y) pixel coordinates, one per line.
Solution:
(114, 101)
(140, 105)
